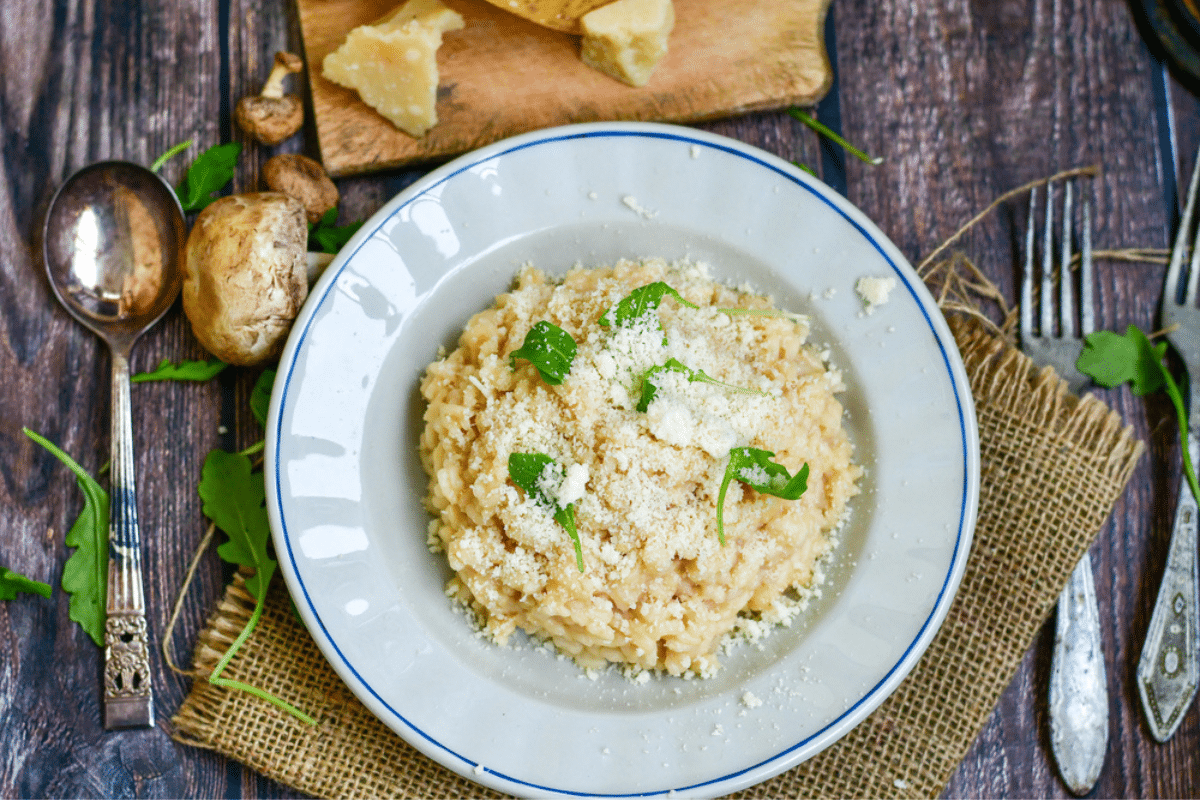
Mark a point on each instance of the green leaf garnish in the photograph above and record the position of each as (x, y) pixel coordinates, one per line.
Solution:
(85, 575)
(260, 396)
(526, 470)
(327, 235)
(1111, 359)
(207, 175)
(827, 132)
(639, 303)
(755, 468)
(650, 390)
(183, 371)
(234, 498)
(550, 349)
(12, 582)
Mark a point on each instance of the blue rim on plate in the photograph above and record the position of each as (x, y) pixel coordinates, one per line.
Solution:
(360, 593)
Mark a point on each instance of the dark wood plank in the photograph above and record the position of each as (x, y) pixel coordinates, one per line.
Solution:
(84, 82)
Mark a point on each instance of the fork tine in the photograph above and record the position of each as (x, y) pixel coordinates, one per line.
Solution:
(1181, 243)
(1047, 294)
(1194, 265)
(1087, 289)
(1027, 279)
(1066, 305)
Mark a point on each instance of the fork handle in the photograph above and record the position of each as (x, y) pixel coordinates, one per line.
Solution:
(1168, 671)
(1078, 684)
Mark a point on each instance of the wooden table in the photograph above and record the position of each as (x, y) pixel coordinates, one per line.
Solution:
(963, 100)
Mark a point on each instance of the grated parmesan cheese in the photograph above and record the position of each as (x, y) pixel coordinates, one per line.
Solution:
(874, 291)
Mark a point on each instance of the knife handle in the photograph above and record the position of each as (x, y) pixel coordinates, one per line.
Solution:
(1167, 672)
(1078, 684)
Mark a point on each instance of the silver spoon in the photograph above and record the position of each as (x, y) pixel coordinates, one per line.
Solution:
(112, 243)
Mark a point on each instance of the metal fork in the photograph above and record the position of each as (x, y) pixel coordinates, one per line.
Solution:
(1078, 683)
(1167, 672)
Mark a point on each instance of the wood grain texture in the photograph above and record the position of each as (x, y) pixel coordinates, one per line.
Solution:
(502, 75)
(963, 99)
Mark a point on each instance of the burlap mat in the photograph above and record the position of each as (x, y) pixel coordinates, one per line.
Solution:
(1052, 467)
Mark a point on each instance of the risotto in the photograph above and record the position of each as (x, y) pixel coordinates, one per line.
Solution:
(615, 553)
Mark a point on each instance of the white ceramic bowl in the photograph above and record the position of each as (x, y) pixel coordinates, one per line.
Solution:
(344, 481)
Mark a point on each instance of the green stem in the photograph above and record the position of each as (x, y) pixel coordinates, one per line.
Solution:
(270, 698)
(167, 156)
(566, 518)
(721, 506)
(805, 167)
(827, 132)
(238, 642)
(254, 448)
(1173, 392)
(216, 679)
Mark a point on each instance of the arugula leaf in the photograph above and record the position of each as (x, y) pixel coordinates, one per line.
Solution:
(85, 575)
(640, 302)
(234, 499)
(526, 470)
(260, 396)
(550, 349)
(327, 235)
(12, 582)
(1111, 359)
(183, 371)
(755, 468)
(650, 390)
(207, 175)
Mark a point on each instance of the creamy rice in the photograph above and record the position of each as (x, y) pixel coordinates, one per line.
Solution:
(658, 590)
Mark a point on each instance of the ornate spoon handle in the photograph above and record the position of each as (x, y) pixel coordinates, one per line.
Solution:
(1168, 670)
(1078, 684)
(128, 701)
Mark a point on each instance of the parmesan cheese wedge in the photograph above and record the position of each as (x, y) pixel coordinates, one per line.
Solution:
(392, 63)
(560, 15)
(626, 39)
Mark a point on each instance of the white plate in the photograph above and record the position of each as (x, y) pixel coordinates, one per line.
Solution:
(345, 482)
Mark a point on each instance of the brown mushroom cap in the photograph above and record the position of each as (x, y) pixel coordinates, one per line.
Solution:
(304, 179)
(246, 275)
(270, 120)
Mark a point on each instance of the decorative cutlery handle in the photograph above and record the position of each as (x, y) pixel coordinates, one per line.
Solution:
(1078, 684)
(128, 700)
(1168, 671)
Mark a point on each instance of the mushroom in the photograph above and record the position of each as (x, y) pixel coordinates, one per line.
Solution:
(246, 275)
(271, 116)
(304, 179)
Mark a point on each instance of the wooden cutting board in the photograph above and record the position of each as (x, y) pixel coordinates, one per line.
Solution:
(502, 75)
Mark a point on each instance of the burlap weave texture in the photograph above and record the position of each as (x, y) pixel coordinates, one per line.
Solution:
(1052, 468)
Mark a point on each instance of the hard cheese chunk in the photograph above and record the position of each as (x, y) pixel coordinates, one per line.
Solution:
(627, 38)
(392, 64)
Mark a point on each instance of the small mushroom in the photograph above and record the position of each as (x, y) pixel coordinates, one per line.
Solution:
(246, 275)
(271, 116)
(304, 179)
